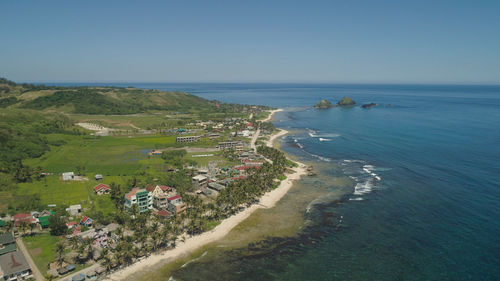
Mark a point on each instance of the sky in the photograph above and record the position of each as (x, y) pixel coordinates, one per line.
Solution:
(332, 41)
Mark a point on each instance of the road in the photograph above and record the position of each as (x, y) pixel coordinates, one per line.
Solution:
(36, 272)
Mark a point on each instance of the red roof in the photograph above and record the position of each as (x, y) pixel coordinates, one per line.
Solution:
(163, 213)
(246, 167)
(85, 219)
(131, 193)
(150, 188)
(71, 223)
(18, 218)
(165, 188)
(239, 178)
(101, 186)
(174, 197)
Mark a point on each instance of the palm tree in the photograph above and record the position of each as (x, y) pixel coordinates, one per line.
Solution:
(106, 263)
(59, 252)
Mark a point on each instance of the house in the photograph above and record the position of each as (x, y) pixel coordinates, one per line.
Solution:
(140, 197)
(160, 195)
(86, 221)
(74, 210)
(13, 266)
(188, 139)
(68, 176)
(35, 214)
(45, 213)
(7, 243)
(199, 181)
(98, 177)
(71, 224)
(175, 204)
(23, 218)
(101, 189)
(44, 221)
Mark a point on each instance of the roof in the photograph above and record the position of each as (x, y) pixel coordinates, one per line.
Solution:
(13, 263)
(18, 218)
(174, 197)
(101, 186)
(6, 238)
(150, 188)
(164, 213)
(2, 222)
(44, 221)
(8, 248)
(199, 177)
(85, 219)
(131, 193)
(71, 223)
(165, 188)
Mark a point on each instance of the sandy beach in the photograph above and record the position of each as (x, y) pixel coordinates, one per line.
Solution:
(268, 200)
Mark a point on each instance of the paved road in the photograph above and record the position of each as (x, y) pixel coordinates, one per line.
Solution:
(36, 273)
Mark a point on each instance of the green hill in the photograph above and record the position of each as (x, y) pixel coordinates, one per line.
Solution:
(104, 100)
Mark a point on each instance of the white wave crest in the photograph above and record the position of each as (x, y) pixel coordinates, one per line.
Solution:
(322, 139)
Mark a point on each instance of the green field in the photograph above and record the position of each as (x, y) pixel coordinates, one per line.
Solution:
(42, 249)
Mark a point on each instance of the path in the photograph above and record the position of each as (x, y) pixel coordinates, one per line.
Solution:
(36, 273)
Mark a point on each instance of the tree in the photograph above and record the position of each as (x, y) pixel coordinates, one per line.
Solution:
(57, 224)
(59, 252)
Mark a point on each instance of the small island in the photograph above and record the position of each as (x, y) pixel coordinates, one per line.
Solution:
(323, 104)
(369, 105)
(346, 101)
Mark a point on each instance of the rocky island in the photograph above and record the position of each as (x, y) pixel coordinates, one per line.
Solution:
(369, 105)
(346, 101)
(323, 104)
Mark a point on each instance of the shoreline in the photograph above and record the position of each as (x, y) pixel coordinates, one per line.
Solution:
(192, 243)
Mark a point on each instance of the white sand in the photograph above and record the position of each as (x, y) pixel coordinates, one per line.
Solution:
(268, 200)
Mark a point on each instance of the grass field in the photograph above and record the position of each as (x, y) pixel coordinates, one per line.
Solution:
(42, 249)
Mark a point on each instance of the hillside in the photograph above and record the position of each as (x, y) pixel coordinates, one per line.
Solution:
(104, 100)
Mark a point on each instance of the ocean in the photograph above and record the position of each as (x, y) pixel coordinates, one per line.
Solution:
(410, 189)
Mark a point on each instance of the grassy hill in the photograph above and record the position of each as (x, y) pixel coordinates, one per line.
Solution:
(104, 100)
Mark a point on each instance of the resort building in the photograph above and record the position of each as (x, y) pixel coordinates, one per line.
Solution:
(175, 204)
(13, 266)
(101, 189)
(140, 197)
(200, 181)
(229, 144)
(188, 139)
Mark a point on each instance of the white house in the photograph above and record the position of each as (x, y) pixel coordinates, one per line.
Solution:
(68, 176)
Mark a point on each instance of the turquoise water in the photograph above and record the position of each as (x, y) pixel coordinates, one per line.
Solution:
(426, 167)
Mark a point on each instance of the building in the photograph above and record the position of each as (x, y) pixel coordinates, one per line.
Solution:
(188, 139)
(44, 221)
(13, 266)
(175, 204)
(68, 176)
(163, 214)
(101, 189)
(229, 144)
(140, 197)
(74, 210)
(216, 186)
(86, 221)
(98, 177)
(199, 181)
(19, 219)
(7, 243)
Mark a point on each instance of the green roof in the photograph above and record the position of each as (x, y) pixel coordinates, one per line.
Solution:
(6, 238)
(44, 221)
(2, 223)
(7, 249)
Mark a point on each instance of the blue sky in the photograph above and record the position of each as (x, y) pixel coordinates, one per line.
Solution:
(251, 41)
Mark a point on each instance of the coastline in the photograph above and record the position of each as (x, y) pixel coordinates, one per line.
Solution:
(268, 200)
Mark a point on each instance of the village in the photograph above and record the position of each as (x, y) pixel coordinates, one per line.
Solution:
(150, 215)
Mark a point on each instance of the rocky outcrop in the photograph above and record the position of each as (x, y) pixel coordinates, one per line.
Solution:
(369, 105)
(346, 101)
(323, 104)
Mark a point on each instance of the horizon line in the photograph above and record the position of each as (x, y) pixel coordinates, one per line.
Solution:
(267, 82)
